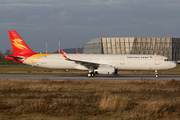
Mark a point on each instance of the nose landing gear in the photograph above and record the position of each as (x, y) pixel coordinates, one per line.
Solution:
(156, 74)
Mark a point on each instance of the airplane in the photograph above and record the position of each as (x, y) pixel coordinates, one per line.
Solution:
(94, 63)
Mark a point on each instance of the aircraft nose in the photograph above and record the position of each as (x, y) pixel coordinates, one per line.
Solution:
(173, 64)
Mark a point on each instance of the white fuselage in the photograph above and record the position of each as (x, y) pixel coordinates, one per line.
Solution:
(119, 61)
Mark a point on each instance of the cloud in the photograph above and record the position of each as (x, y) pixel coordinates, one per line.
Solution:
(62, 16)
(96, 18)
(33, 17)
(79, 21)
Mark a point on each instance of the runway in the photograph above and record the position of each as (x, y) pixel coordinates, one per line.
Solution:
(83, 77)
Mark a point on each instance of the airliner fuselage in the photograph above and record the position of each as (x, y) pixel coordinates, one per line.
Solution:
(121, 62)
(95, 63)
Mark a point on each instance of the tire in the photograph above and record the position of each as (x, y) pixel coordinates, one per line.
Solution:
(89, 75)
(92, 74)
(156, 76)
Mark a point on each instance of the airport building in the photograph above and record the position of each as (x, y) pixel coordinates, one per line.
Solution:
(169, 47)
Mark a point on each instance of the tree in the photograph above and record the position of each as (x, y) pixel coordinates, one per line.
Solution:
(7, 52)
(1, 55)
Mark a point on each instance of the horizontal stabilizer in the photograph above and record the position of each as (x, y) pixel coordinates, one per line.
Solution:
(15, 58)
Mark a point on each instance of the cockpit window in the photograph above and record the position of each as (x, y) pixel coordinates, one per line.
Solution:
(167, 60)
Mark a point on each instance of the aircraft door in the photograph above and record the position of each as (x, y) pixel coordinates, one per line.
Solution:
(79, 58)
(122, 60)
(157, 60)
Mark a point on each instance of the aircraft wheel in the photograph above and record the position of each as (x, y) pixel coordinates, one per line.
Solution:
(89, 75)
(156, 76)
(92, 74)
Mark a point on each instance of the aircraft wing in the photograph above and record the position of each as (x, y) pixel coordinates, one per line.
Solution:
(89, 65)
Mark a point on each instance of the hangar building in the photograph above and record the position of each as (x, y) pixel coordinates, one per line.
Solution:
(169, 47)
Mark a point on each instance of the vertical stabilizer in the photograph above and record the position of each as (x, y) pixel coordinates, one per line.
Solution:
(18, 44)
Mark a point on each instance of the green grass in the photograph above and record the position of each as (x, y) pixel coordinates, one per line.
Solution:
(35, 70)
(8, 62)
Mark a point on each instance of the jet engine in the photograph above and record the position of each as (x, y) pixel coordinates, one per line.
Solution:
(106, 70)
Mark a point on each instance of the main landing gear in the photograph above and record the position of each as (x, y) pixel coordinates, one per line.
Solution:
(156, 74)
(91, 74)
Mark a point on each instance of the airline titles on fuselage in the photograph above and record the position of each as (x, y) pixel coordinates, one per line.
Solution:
(137, 57)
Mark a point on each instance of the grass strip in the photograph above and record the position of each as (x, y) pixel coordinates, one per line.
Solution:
(89, 99)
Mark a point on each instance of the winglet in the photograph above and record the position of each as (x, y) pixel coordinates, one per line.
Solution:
(63, 54)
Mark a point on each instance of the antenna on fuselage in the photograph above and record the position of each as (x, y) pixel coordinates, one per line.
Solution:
(46, 46)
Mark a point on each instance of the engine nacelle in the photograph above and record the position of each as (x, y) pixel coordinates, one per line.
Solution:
(106, 70)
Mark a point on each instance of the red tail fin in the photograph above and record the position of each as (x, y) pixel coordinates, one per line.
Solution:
(18, 44)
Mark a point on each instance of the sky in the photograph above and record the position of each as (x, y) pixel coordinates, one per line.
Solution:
(78, 21)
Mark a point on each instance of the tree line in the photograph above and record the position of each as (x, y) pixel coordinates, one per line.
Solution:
(8, 52)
